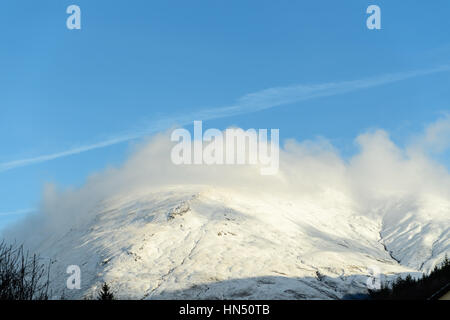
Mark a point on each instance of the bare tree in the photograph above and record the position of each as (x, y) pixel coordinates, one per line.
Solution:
(22, 276)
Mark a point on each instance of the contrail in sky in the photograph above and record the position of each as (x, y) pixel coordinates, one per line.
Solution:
(17, 212)
(253, 102)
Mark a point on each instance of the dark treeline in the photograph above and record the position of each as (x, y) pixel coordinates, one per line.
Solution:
(416, 289)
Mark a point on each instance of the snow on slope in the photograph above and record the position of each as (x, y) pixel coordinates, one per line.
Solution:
(417, 232)
(199, 242)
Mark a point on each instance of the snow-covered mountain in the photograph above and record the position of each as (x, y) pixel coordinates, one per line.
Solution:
(199, 242)
(315, 230)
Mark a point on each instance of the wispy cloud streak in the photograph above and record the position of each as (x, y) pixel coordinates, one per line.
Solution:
(253, 102)
(15, 213)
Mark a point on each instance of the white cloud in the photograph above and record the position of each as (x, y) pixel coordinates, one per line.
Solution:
(252, 102)
(436, 138)
(380, 172)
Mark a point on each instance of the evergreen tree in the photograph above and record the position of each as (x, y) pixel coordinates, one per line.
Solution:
(105, 293)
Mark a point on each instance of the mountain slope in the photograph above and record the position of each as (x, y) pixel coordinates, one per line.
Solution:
(417, 231)
(199, 242)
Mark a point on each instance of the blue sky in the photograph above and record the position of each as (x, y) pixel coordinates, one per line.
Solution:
(135, 63)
